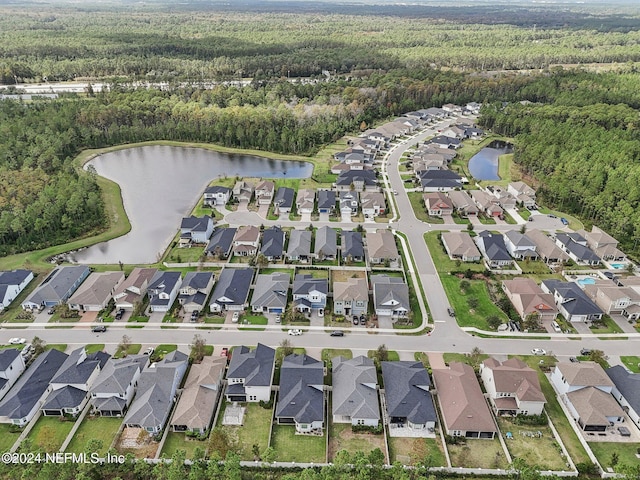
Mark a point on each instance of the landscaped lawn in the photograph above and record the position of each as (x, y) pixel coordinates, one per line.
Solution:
(442, 261)
(8, 437)
(610, 326)
(163, 349)
(529, 266)
(461, 357)
(179, 441)
(410, 451)
(255, 430)
(329, 353)
(542, 452)
(478, 454)
(459, 301)
(290, 447)
(315, 273)
(49, 433)
(56, 346)
(247, 320)
(342, 438)
(419, 209)
(393, 355)
(626, 453)
(631, 362)
(94, 347)
(185, 255)
(133, 349)
(95, 428)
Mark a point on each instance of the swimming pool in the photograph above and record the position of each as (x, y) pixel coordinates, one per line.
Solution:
(618, 266)
(587, 281)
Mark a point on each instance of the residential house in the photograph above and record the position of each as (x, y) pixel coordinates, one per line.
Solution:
(156, 393)
(348, 204)
(512, 386)
(273, 244)
(460, 246)
(70, 385)
(380, 138)
(351, 297)
(57, 287)
(283, 201)
(195, 230)
(221, 242)
(408, 400)
(163, 290)
(603, 244)
(439, 180)
(96, 291)
(390, 296)
(464, 409)
(372, 204)
(299, 249)
(232, 290)
(493, 249)
(250, 374)
(270, 293)
(433, 112)
(132, 291)
(631, 312)
(301, 394)
(428, 161)
(626, 390)
(575, 245)
(524, 193)
(352, 248)
(354, 393)
(382, 249)
(197, 404)
(610, 297)
(586, 390)
(473, 132)
(442, 141)
(11, 367)
(529, 299)
(546, 248)
(245, 243)
(25, 398)
(243, 191)
(11, 284)
(487, 204)
(326, 201)
(572, 302)
(326, 246)
(463, 203)
(113, 389)
(357, 180)
(309, 293)
(195, 290)
(305, 201)
(264, 192)
(505, 199)
(423, 152)
(338, 168)
(473, 108)
(438, 204)
(452, 109)
(520, 246)
(454, 131)
(216, 196)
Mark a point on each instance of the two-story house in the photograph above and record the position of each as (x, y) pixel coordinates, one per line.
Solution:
(250, 374)
(195, 290)
(351, 297)
(163, 290)
(310, 293)
(11, 284)
(216, 196)
(113, 389)
(132, 291)
(195, 230)
(246, 241)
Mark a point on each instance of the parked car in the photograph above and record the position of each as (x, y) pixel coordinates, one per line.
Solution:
(295, 332)
(16, 341)
(585, 352)
(538, 351)
(99, 328)
(224, 352)
(120, 314)
(574, 360)
(451, 312)
(564, 221)
(395, 192)
(278, 318)
(149, 351)
(363, 320)
(27, 350)
(194, 315)
(321, 312)
(51, 311)
(556, 327)
(551, 216)
(337, 333)
(235, 317)
(356, 321)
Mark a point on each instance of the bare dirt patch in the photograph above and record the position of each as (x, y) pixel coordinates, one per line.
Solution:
(343, 438)
(344, 275)
(137, 442)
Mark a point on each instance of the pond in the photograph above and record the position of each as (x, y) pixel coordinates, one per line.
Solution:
(484, 164)
(160, 185)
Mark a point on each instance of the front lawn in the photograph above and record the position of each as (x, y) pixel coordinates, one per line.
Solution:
(393, 356)
(631, 362)
(247, 320)
(94, 347)
(179, 441)
(132, 349)
(442, 261)
(290, 447)
(420, 210)
(459, 301)
(478, 453)
(8, 436)
(608, 325)
(163, 349)
(605, 450)
(411, 451)
(95, 428)
(49, 433)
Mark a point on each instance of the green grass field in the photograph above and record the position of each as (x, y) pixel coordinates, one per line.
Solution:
(442, 261)
(605, 450)
(8, 436)
(540, 452)
(255, 430)
(410, 451)
(179, 441)
(49, 433)
(95, 428)
(478, 454)
(290, 447)
(631, 362)
(418, 208)
(465, 316)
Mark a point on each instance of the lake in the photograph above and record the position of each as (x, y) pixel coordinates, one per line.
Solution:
(160, 185)
(484, 164)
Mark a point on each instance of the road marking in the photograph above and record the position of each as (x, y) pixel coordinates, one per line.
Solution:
(440, 321)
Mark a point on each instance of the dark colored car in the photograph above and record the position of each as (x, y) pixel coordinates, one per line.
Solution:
(585, 351)
(363, 320)
(337, 333)
(564, 221)
(451, 312)
(355, 319)
(120, 314)
(99, 328)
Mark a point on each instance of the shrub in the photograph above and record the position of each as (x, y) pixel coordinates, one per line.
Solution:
(533, 420)
(367, 429)
(267, 405)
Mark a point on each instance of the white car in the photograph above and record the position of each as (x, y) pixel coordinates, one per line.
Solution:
(538, 351)
(395, 192)
(16, 341)
(295, 332)
(235, 317)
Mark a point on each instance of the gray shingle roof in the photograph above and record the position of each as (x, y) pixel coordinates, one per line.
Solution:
(390, 292)
(354, 391)
(284, 197)
(79, 366)
(13, 277)
(406, 387)
(352, 244)
(162, 282)
(299, 243)
(627, 383)
(26, 392)
(7, 356)
(66, 397)
(234, 284)
(223, 238)
(575, 301)
(368, 177)
(494, 246)
(195, 224)
(327, 241)
(271, 290)
(303, 284)
(272, 242)
(326, 199)
(116, 374)
(217, 189)
(301, 389)
(576, 244)
(196, 280)
(255, 366)
(57, 286)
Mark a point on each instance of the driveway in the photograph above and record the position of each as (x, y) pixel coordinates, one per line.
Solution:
(324, 217)
(305, 217)
(156, 317)
(516, 216)
(448, 219)
(474, 220)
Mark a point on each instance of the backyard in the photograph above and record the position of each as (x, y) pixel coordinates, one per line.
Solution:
(95, 428)
(290, 447)
(342, 438)
(478, 454)
(410, 451)
(179, 441)
(8, 436)
(626, 453)
(49, 433)
(255, 429)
